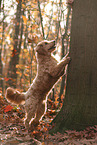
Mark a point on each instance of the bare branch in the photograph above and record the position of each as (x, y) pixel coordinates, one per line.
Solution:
(41, 19)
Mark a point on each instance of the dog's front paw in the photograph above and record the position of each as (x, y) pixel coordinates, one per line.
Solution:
(66, 55)
(67, 60)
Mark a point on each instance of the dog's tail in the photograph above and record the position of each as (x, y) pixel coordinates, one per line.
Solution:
(14, 96)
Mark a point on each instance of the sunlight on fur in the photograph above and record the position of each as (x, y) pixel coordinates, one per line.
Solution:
(48, 73)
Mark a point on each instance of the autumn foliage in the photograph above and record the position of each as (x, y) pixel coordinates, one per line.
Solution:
(23, 24)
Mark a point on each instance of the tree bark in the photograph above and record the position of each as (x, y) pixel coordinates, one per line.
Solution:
(80, 104)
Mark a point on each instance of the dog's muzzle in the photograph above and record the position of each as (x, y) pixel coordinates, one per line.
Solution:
(53, 47)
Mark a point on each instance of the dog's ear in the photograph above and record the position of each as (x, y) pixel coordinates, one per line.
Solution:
(40, 49)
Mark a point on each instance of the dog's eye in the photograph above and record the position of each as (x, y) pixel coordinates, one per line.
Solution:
(46, 43)
(41, 45)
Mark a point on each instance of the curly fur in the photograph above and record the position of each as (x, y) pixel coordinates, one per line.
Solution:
(48, 73)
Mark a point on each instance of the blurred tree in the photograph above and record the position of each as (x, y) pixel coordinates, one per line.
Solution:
(0, 5)
(80, 104)
(1, 46)
(14, 60)
(38, 20)
(65, 49)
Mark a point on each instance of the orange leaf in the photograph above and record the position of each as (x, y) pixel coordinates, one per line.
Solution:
(30, 40)
(17, 1)
(44, 129)
(62, 97)
(24, 19)
(6, 79)
(8, 108)
(35, 39)
(56, 101)
(23, 6)
(14, 52)
(17, 23)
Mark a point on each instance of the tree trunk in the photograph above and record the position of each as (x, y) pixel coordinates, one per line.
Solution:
(64, 50)
(1, 75)
(1, 48)
(12, 75)
(80, 104)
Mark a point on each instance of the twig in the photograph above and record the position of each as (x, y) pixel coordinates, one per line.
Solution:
(41, 19)
(50, 22)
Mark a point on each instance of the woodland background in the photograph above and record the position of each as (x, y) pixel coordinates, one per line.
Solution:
(22, 20)
(37, 20)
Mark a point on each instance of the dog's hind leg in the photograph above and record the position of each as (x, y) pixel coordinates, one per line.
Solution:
(29, 116)
(31, 108)
(39, 114)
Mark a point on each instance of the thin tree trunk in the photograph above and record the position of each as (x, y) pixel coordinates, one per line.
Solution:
(0, 5)
(1, 75)
(41, 20)
(64, 50)
(12, 75)
(80, 104)
(1, 64)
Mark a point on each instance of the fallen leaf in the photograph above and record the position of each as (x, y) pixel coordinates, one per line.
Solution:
(8, 108)
(1, 117)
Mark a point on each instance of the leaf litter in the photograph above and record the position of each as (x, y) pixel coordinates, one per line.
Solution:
(13, 131)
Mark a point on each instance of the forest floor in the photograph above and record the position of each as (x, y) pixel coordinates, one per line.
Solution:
(13, 132)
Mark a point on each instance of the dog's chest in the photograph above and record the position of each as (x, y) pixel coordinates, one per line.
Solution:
(44, 80)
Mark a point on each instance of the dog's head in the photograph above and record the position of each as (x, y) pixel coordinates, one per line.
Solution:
(45, 47)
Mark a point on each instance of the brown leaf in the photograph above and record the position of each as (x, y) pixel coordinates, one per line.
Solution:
(1, 117)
